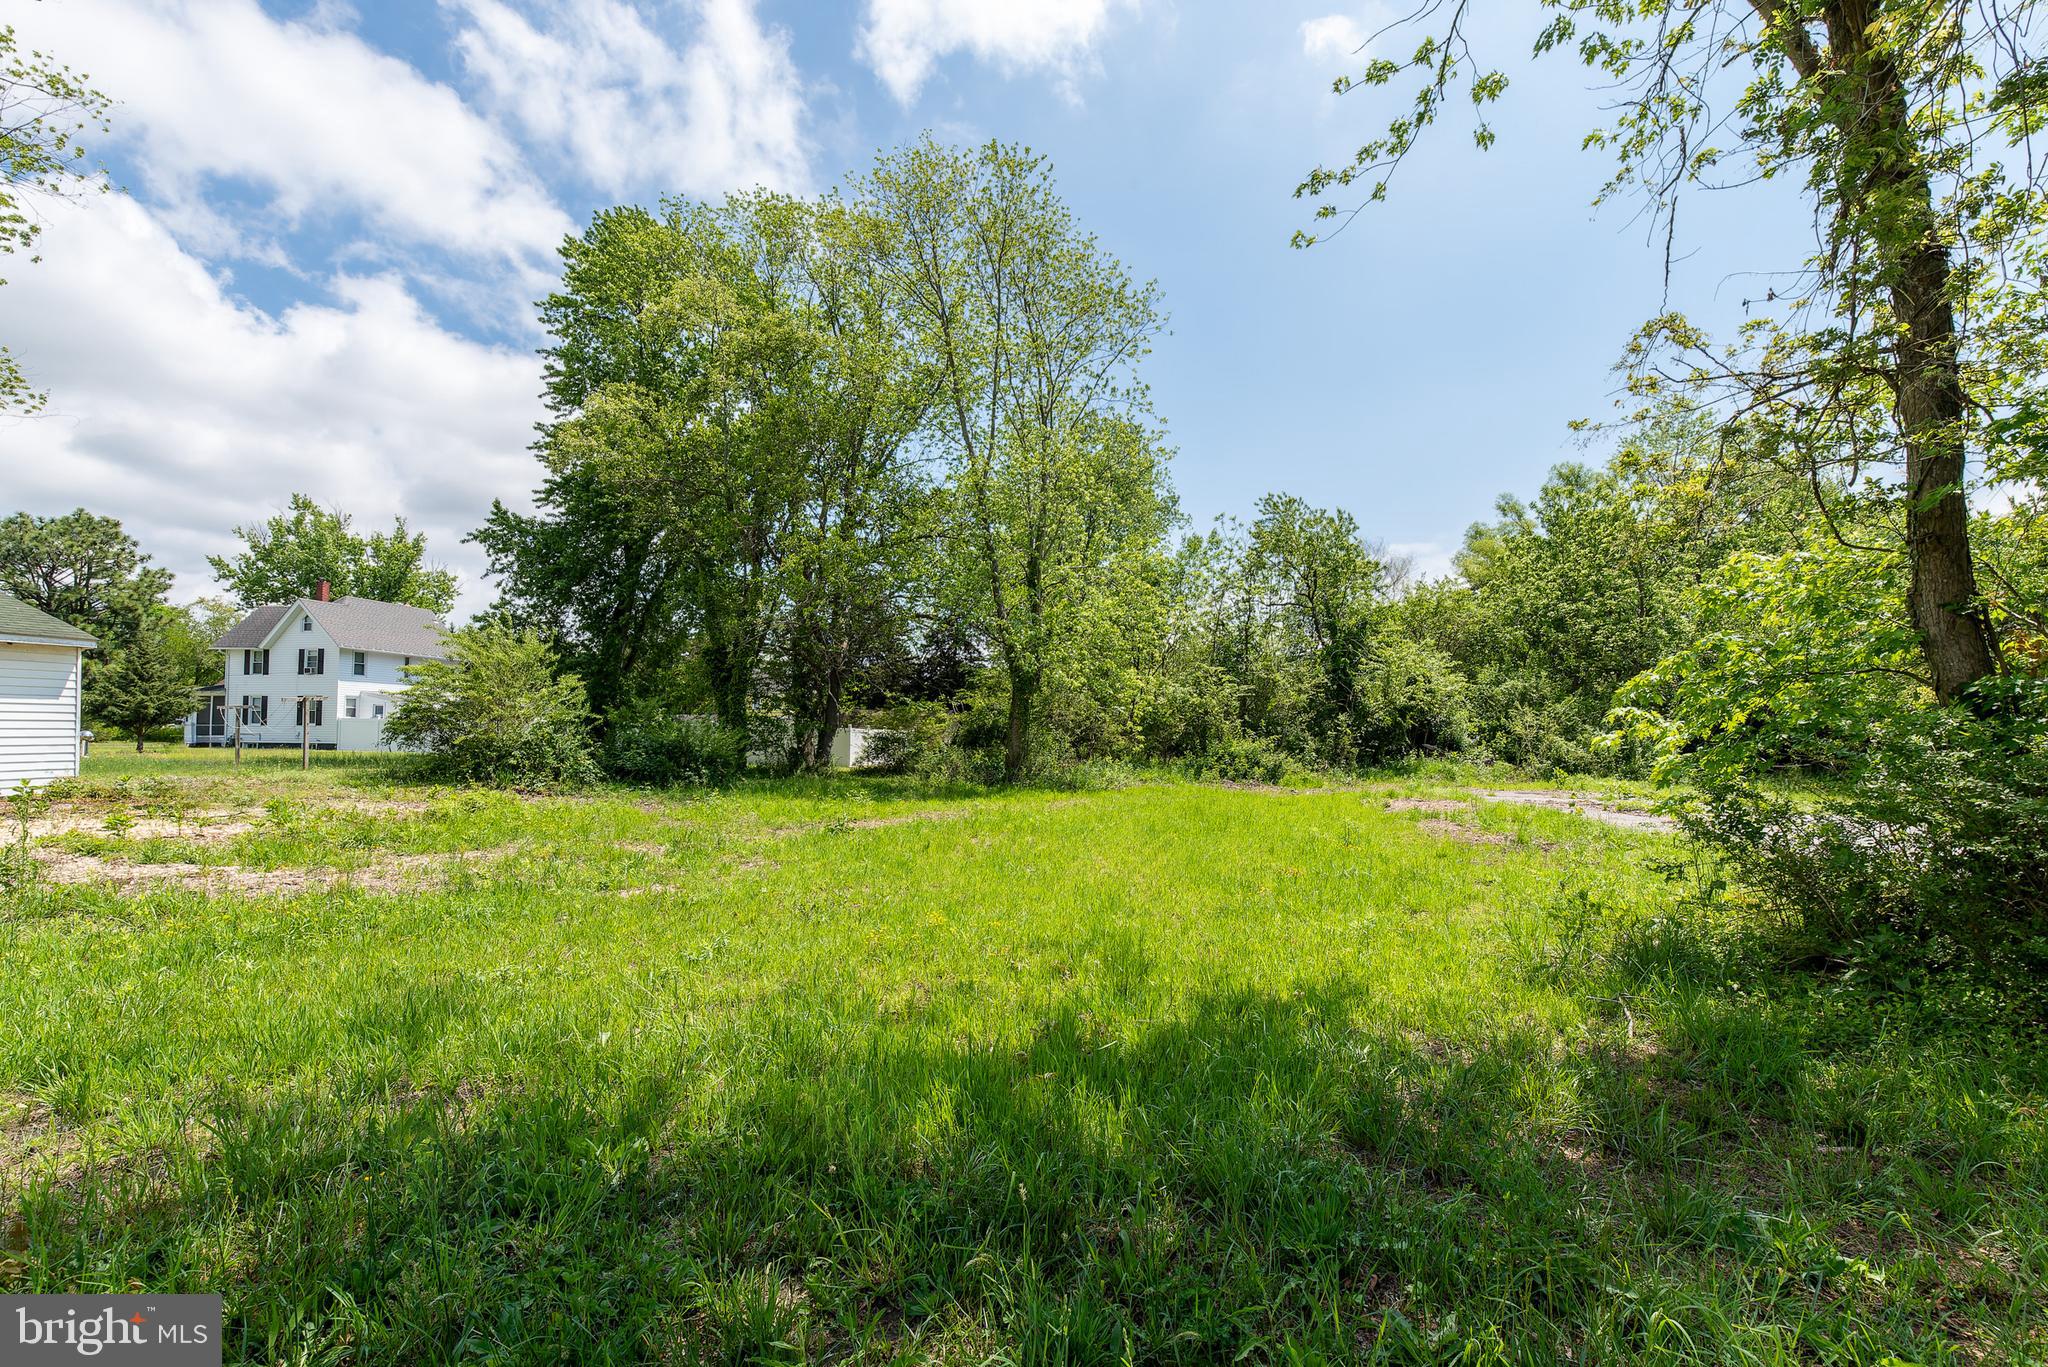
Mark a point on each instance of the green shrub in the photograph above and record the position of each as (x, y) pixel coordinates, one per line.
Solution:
(1243, 759)
(1942, 829)
(647, 743)
(911, 739)
(1935, 822)
(1411, 702)
(495, 712)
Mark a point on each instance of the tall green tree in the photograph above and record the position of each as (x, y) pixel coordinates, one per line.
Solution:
(45, 110)
(734, 490)
(1563, 597)
(1034, 335)
(1912, 340)
(143, 686)
(83, 568)
(287, 556)
(855, 559)
(680, 384)
(599, 575)
(189, 631)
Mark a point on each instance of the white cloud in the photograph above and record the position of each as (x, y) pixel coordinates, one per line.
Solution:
(595, 84)
(902, 40)
(184, 413)
(1333, 35)
(1426, 559)
(316, 121)
(1346, 37)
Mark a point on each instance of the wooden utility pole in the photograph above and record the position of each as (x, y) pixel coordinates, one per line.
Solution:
(305, 702)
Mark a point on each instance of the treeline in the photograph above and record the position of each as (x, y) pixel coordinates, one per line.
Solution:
(889, 454)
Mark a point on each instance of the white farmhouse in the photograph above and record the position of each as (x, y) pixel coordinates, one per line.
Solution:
(336, 667)
(39, 694)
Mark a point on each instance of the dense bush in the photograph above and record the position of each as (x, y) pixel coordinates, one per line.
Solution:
(496, 712)
(1941, 829)
(1243, 759)
(910, 739)
(1411, 702)
(648, 743)
(1935, 819)
(1519, 720)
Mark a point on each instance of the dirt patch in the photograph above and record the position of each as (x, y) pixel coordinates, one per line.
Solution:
(1580, 804)
(385, 875)
(209, 825)
(872, 823)
(1463, 834)
(1436, 805)
(31, 1137)
(204, 824)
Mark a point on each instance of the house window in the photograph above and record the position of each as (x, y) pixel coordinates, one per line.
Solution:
(313, 661)
(377, 709)
(255, 710)
(348, 706)
(408, 662)
(359, 665)
(309, 712)
(305, 624)
(255, 662)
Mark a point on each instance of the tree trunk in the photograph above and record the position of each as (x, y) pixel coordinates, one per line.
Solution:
(1017, 742)
(828, 723)
(729, 683)
(1880, 171)
(1955, 638)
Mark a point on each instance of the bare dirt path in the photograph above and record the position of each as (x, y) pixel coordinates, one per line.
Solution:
(1589, 805)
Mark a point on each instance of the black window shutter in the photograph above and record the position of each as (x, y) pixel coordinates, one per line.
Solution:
(320, 660)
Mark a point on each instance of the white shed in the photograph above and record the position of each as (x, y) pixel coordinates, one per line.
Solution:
(40, 690)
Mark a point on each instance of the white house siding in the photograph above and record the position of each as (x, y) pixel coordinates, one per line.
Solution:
(383, 681)
(284, 682)
(361, 733)
(38, 713)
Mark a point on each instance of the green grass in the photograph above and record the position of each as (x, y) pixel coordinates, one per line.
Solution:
(861, 1070)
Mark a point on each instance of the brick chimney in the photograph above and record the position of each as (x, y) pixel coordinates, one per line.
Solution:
(323, 593)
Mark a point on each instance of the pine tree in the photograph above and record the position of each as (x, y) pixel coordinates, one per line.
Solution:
(142, 687)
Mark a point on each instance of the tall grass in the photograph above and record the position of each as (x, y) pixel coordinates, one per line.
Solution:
(856, 1070)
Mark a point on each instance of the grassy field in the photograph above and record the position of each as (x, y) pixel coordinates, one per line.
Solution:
(860, 1070)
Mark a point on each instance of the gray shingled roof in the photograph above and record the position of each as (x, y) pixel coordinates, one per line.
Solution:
(252, 631)
(354, 623)
(20, 622)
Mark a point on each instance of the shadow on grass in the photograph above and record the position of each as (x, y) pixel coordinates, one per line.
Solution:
(1233, 1176)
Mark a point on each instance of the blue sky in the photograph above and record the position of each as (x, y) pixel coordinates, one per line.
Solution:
(333, 219)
